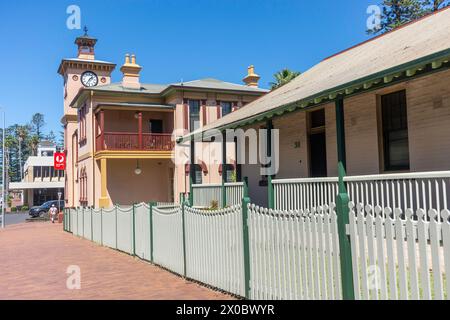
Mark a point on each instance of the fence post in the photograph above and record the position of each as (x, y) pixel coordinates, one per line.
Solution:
(184, 238)
(133, 216)
(245, 202)
(101, 226)
(82, 219)
(151, 205)
(115, 225)
(92, 226)
(342, 209)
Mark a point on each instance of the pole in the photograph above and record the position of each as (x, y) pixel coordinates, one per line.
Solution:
(270, 190)
(246, 241)
(224, 169)
(3, 172)
(342, 209)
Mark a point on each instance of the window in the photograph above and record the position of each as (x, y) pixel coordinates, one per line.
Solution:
(229, 171)
(395, 131)
(83, 187)
(156, 126)
(194, 114)
(226, 108)
(82, 123)
(198, 174)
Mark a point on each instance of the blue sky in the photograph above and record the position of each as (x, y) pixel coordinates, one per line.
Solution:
(173, 40)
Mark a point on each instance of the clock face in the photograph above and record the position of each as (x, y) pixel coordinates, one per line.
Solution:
(89, 79)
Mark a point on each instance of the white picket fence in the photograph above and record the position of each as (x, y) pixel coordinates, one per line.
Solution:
(399, 255)
(168, 238)
(294, 254)
(423, 190)
(214, 248)
(205, 194)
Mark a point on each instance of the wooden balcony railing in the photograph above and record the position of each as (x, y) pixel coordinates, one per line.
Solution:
(121, 141)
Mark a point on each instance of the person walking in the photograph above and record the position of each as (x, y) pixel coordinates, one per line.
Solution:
(53, 212)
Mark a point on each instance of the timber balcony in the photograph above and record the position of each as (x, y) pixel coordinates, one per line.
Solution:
(125, 141)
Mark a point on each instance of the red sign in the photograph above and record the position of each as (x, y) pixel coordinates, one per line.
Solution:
(59, 161)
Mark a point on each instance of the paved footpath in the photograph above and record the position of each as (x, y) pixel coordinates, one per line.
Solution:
(34, 258)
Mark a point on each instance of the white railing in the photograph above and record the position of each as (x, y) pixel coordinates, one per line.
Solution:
(206, 194)
(400, 254)
(422, 190)
(214, 248)
(304, 194)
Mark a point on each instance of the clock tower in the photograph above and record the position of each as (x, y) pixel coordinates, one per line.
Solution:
(80, 73)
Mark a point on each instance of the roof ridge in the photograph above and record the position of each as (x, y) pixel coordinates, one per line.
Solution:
(389, 32)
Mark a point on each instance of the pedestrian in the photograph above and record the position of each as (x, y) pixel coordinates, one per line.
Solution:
(53, 211)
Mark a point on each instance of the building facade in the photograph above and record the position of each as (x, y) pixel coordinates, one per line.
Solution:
(41, 182)
(381, 107)
(120, 137)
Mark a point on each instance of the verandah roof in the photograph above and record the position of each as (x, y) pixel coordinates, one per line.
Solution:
(407, 50)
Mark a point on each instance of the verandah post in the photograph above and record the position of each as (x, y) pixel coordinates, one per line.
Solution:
(246, 241)
(151, 205)
(342, 209)
(191, 172)
(224, 168)
(270, 190)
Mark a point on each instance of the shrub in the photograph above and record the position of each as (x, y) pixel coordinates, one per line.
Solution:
(25, 208)
(214, 205)
(14, 209)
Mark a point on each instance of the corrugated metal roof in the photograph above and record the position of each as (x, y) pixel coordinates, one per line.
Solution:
(412, 42)
(117, 87)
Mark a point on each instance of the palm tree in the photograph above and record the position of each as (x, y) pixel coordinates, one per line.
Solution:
(282, 77)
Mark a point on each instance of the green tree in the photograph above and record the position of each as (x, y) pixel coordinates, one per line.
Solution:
(282, 77)
(435, 5)
(37, 123)
(398, 12)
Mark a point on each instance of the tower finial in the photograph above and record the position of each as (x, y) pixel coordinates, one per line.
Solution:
(85, 31)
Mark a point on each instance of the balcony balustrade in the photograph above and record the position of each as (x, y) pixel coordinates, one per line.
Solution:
(125, 141)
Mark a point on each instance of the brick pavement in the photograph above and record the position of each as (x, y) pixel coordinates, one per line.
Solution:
(34, 258)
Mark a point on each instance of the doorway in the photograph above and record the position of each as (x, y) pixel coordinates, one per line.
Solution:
(317, 144)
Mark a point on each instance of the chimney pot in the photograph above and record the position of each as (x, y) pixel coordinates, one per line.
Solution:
(131, 72)
(252, 78)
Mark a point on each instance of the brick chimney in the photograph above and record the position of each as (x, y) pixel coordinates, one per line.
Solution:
(252, 78)
(131, 72)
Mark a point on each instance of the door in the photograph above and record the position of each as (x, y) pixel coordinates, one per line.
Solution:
(317, 144)
(156, 126)
(318, 152)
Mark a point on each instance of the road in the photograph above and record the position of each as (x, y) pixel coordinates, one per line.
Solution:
(41, 261)
(15, 218)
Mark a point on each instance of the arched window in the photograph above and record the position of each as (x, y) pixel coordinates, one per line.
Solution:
(83, 187)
